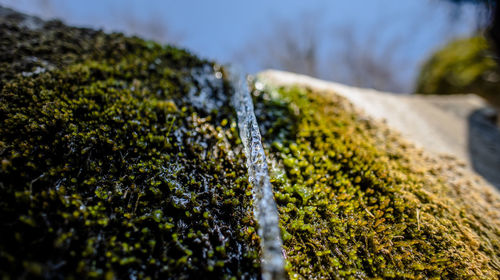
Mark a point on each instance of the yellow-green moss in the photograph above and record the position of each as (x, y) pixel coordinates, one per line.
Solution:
(351, 206)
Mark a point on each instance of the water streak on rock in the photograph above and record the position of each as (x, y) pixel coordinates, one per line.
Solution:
(266, 212)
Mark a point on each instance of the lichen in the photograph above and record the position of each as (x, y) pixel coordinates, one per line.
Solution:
(353, 205)
(108, 171)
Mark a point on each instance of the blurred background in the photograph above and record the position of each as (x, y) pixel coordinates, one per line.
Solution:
(377, 44)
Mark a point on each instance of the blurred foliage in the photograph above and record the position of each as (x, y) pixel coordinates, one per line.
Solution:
(473, 1)
(463, 66)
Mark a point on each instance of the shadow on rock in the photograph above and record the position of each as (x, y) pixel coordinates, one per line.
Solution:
(484, 145)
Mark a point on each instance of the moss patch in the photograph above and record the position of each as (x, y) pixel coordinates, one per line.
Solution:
(108, 170)
(353, 205)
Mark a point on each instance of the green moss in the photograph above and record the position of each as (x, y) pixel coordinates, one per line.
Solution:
(353, 204)
(55, 45)
(107, 168)
(463, 66)
(112, 168)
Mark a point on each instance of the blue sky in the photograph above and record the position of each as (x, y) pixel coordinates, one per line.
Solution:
(218, 29)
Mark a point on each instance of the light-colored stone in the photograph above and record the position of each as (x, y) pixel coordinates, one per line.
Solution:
(442, 125)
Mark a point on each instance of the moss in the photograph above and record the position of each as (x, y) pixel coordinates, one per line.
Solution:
(113, 165)
(55, 45)
(108, 170)
(353, 204)
(463, 66)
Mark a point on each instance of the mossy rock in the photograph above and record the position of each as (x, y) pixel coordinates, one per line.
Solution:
(120, 158)
(357, 202)
(463, 66)
(109, 169)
